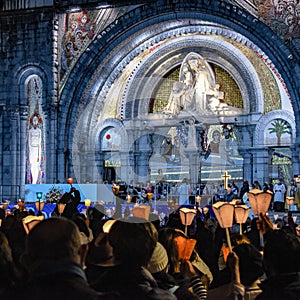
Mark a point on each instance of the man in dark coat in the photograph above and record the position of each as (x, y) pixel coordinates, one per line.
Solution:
(72, 200)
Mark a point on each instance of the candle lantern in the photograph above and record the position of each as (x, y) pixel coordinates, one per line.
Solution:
(142, 211)
(187, 216)
(224, 212)
(241, 213)
(289, 202)
(87, 202)
(260, 203)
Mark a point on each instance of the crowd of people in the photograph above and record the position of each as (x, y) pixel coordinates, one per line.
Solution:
(72, 255)
(182, 192)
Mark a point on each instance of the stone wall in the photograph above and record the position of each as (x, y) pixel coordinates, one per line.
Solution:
(27, 48)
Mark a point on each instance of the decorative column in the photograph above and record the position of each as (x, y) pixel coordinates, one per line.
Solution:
(54, 156)
(194, 162)
(261, 164)
(247, 165)
(11, 158)
(23, 147)
(142, 158)
(1, 150)
(296, 159)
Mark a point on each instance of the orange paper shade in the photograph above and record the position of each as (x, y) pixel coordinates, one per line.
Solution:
(70, 180)
(142, 211)
(241, 213)
(289, 200)
(224, 213)
(259, 201)
(107, 225)
(187, 215)
(185, 247)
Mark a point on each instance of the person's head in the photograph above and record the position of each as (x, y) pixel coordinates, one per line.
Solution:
(281, 6)
(159, 259)
(54, 239)
(291, 19)
(35, 121)
(226, 132)
(250, 263)
(281, 253)
(166, 237)
(216, 136)
(169, 139)
(133, 241)
(246, 183)
(85, 234)
(238, 239)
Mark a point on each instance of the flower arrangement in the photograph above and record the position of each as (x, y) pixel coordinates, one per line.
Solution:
(54, 194)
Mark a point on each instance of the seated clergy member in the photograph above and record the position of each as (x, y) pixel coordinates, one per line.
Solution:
(54, 258)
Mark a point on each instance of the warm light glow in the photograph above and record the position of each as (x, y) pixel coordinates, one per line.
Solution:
(259, 201)
(87, 202)
(241, 213)
(187, 215)
(289, 200)
(141, 211)
(107, 225)
(70, 180)
(224, 213)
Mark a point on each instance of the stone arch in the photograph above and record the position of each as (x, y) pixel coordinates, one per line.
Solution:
(216, 51)
(263, 122)
(117, 124)
(23, 76)
(89, 81)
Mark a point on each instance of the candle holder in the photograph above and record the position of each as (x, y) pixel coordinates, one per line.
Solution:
(224, 212)
(260, 203)
(187, 216)
(241, 213)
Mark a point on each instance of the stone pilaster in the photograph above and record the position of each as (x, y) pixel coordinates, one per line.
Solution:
(23, 147)
(261, 161)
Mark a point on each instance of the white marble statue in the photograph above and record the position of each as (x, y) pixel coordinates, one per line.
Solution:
(34, 147)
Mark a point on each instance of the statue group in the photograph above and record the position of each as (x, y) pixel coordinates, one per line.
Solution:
(197, 90)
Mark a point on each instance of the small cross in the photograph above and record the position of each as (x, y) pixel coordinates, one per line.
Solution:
(226, 177)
